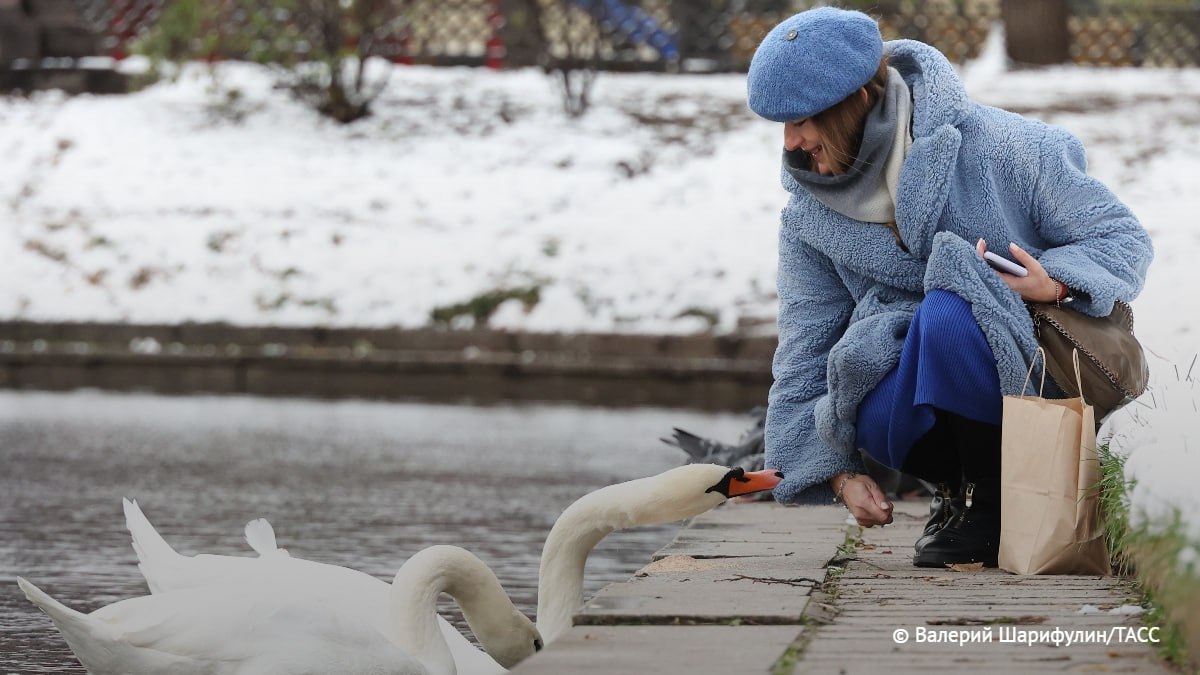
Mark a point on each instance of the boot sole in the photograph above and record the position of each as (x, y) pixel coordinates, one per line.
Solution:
(920, 560)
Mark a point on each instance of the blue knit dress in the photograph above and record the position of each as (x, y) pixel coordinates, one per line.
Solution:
(945, 363)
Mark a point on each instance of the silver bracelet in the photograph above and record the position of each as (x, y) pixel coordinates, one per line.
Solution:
(837, 496)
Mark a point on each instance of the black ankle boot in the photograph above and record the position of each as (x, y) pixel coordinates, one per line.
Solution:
(939, 514)
(934, 458)
(972, 533)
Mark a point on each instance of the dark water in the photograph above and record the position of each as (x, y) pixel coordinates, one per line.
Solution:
(359, 484)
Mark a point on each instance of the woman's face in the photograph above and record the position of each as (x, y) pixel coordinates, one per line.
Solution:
(805, 134)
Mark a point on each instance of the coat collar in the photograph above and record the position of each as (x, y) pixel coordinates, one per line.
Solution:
(865, 249)
(925, 181)
(940, 103)
(939, 98)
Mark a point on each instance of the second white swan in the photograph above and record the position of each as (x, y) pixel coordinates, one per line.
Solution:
(264, 626)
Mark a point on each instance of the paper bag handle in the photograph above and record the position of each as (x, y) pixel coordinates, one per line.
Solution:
(1042, 353)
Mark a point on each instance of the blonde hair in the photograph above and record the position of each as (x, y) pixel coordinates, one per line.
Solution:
(842, 123)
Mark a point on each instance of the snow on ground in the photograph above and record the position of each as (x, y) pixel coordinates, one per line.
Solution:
(653, 211)
(1158, 436)
(661, 203)
(153, 207)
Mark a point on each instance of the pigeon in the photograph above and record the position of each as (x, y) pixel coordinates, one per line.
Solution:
(749, 453)
(746, 453)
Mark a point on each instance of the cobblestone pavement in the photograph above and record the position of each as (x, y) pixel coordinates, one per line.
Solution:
(760, 588)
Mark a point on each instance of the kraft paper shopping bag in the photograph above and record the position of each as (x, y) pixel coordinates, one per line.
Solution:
(1049, 480)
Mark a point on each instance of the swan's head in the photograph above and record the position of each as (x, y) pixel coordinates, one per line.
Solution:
(689, 490)
(509, 641)
(737, 482)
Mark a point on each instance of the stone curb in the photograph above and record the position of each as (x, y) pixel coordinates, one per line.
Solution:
(700, 371)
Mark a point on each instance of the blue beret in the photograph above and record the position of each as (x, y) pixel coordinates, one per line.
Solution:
(811, 61)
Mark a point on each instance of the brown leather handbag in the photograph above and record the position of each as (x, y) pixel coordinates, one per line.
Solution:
(1113, 366)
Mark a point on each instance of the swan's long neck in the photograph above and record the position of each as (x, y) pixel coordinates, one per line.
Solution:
(645, 501)
(492, 617)
(560, 577)
(415, 592)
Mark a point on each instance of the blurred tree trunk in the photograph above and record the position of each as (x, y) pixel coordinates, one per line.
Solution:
(700, 28)
(1035, 31)
(524, 33)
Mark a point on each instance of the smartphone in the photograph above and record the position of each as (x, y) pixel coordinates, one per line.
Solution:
(1004, 264)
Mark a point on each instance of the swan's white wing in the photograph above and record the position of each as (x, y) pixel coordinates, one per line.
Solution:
(253, 628)
(185, 572)
(261, 537)
(203, 570)
(166, 570)
(346, 590)
(468, 659)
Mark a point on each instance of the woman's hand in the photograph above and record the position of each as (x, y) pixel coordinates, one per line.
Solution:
(863, 498)
(1037, 287)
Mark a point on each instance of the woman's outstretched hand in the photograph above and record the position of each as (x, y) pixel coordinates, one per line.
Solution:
(863, 498)
(1037, 287)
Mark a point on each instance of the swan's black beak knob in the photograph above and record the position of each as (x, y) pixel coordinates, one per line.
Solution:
(738, 482)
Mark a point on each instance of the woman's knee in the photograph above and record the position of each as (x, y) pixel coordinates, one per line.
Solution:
(942, 302)
(945, 321)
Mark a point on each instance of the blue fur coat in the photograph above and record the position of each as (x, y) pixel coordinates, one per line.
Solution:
(847, 291)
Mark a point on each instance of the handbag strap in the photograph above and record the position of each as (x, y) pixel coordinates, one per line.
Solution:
(1121, 315)
(1078, 377)
(1033, 362)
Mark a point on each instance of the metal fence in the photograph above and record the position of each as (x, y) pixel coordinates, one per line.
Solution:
(1145, 36)
(712, 35)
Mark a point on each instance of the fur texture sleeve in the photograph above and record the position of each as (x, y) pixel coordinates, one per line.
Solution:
(814, 310)
(1096, 245)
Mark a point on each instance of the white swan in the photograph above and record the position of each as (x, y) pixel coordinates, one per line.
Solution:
(682, 492)
(271, 626)
(506, 634)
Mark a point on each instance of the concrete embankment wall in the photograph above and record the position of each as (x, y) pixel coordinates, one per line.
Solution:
(716, 372)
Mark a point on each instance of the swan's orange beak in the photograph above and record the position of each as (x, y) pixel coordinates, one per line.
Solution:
(755, 481)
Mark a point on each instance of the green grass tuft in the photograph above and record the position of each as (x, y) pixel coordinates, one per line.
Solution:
(786, 665)
(481, 307)
(1152, 556)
